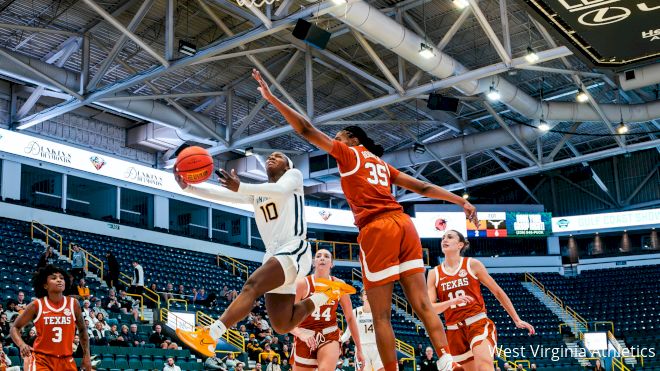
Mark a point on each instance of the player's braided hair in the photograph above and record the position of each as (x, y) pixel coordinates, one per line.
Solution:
(461, 238)
(41, 277)
(357, 132)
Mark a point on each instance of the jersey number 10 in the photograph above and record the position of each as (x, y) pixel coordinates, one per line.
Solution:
(270, 211)
(377, 174)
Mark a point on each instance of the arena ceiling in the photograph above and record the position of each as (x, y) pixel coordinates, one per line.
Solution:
(124, 53)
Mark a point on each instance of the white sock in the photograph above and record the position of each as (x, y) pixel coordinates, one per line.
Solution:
(217, 329)
(319, 299)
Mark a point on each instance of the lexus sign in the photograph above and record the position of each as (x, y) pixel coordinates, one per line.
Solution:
(609, 32)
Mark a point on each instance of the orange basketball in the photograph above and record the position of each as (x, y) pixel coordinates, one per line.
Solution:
(194, 164)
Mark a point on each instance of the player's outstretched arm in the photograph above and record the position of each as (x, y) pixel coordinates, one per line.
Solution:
(433, 191)
(485, 278)
(295, 119)
(84, 337)
(288, 183)
(21, 321)
(440, 307)
(214, 194)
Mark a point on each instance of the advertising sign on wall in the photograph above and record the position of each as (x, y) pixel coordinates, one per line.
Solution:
(528, 224)
(607, 220)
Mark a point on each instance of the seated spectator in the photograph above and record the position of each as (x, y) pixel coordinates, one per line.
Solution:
(273, 365)
(231, 362)
(275, 345)
(112, 303)
(11, 311)
(98, 335)
(284, 352)
(113, 336)
(46, 258)
(239, 366)
(100, 318)
(89, 326)
(244, 333)
(199, 296)
(168, 294)
(181, 293)
(214, 363)
(170, 366)
(21, 303)
(128, 305)
(83, 289)
(285, 366)
(87, 310)
(98, 308)
(230, 295)
(159, 340)
(124, 334)
(267, 355)
(5, 362)
(4, 326)
(134, 337)
(253, 348)
(77, 349)
(30, 337)
(257, 367)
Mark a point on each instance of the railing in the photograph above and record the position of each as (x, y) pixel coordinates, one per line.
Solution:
(236, 266)
(522, 362)
(610, 323)
(141, 299)
(46, 231)
(341, 321)
(166, 314)
(356, 273)
(148, 293)
(403, 304)
(408, 350)
(232, 336)
(169, 302)
(617, 364)
(619, 348)
(568, 310)
(333, 247)
(500, 354)
(90, 259)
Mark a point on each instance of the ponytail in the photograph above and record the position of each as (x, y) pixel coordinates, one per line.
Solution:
(357, 132)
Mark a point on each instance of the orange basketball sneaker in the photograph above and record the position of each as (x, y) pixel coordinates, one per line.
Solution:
(333, 289)
(199, 340)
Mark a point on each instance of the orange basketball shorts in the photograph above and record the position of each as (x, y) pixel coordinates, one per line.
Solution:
(389, 249)
(44, 362)
(462, 341)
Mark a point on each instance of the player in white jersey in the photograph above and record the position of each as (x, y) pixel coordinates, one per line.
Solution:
(279, 213)
(365, 321)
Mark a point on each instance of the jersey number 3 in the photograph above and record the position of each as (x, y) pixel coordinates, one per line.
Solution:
(377, 174)
(57, 335)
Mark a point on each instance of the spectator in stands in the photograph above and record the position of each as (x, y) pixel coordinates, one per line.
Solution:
(168, 294)
(257, 367)
(87, 310)
(244, 333)
(273, 365)
(98, 335)
(267, 355)
(285, 366)
(231, 362)
(506, 367)
(89, 326)
(100, 318)
(98, 308)
(134, 337)
(533, 366)
(5, 363)
(214, 363)
(113, 335)
(287, 341)
(420, 350)
(31, 337)
(159, 340)
(124, 334)
(181, 293)
(128, 305)
(46, 258)
(83, 289)
(519, 367)
(253, 348)
(11, 311)
(21, 303)
(137, 283)
(170, 366)
(239, 366)
(428, 361)
(599, 366)
(275, 345)
(199, 296)
(498, 369)
(284, 352)
(4, 326)
(70, 288)
(112, 276)
(78, 262)
(77, 349)
(112, 303)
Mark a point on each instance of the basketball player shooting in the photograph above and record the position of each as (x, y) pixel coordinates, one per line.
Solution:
(56, 318)
(280, 215)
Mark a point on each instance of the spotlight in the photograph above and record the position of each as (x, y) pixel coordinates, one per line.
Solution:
(531, 57)
(582, 97)
(249, 151)
(461, 4)
(426, 51)
(493, 94)
(466, 195)
(419, 148)
(187, 48)
(543, 125)
(339, 2)
(622, 128)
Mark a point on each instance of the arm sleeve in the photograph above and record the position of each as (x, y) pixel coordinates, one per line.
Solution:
(345, 156)
(217, 194)
(345, 336)
(287, 184)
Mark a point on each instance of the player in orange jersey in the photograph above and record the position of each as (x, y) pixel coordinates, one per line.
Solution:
(456, 284)
(390, 248)
(55, 318)
(316, 343)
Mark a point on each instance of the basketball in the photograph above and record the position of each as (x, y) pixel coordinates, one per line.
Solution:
(194, 164)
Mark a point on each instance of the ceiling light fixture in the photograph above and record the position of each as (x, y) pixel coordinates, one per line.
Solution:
(426, 51)
(543, 125)
(249, 151)
(531, 57)
(461, 4)
(622, 128)
(582, 97)
(493, 94)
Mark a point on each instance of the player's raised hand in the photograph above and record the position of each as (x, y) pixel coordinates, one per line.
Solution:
(263, 85)
(524, 325)
(179, 179)
(26, 351)
(471, 213)
(229, 180)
